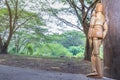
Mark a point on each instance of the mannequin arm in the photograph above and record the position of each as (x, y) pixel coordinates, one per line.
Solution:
(105, 28)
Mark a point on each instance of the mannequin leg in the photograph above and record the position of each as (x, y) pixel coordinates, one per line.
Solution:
(98, 60)
(98, 65)
(92, 56)
(95, 60)
(93, 63)
(94, 71)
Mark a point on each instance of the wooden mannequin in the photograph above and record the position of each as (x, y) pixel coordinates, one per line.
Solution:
(90, 32)
(96, 36)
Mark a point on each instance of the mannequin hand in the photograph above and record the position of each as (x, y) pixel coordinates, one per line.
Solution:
(103, 37)
(104, 34)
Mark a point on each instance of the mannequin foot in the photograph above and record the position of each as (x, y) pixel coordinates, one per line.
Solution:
(96, 76)
(92, 74)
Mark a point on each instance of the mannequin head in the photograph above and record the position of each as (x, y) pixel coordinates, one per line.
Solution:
(99, 7)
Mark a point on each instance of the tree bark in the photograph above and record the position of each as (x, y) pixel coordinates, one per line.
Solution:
(112, 41)
(4, 47)
(88, 51)
(0, 44)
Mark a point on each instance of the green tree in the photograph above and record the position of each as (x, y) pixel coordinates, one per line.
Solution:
(13, 16)
(22, 38)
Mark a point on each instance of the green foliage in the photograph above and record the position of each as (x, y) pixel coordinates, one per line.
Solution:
(101, 52)
(80, 55)
(76, 49)
(3, 11)
(30, 18)
(12, 49)
(72, 38)
(36, 45)
(34, 18)
(3, 22)
(89, 1)
(64, 1)
(30, 48)
(67, 39)
(26, 49)
(52, 50)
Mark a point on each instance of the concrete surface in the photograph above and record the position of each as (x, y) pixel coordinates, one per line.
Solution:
(16, 73)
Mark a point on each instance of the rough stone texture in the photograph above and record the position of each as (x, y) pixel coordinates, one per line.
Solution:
(15, 73)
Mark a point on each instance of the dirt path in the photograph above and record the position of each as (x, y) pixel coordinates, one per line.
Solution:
(65, 65)
(15, 73)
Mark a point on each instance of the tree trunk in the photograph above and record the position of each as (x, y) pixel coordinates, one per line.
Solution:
(112, 41)
(88, 51)
(4, 46)
(4, 50)
(0, 44)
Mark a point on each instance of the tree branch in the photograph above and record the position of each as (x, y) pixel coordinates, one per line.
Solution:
(82, 3)
(92, 5)
(22, 23)
(10, 24)
(10, 14)
(79, 17)
(66, 22)
(16, 14)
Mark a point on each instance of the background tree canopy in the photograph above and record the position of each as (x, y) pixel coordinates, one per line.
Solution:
(44, 28)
